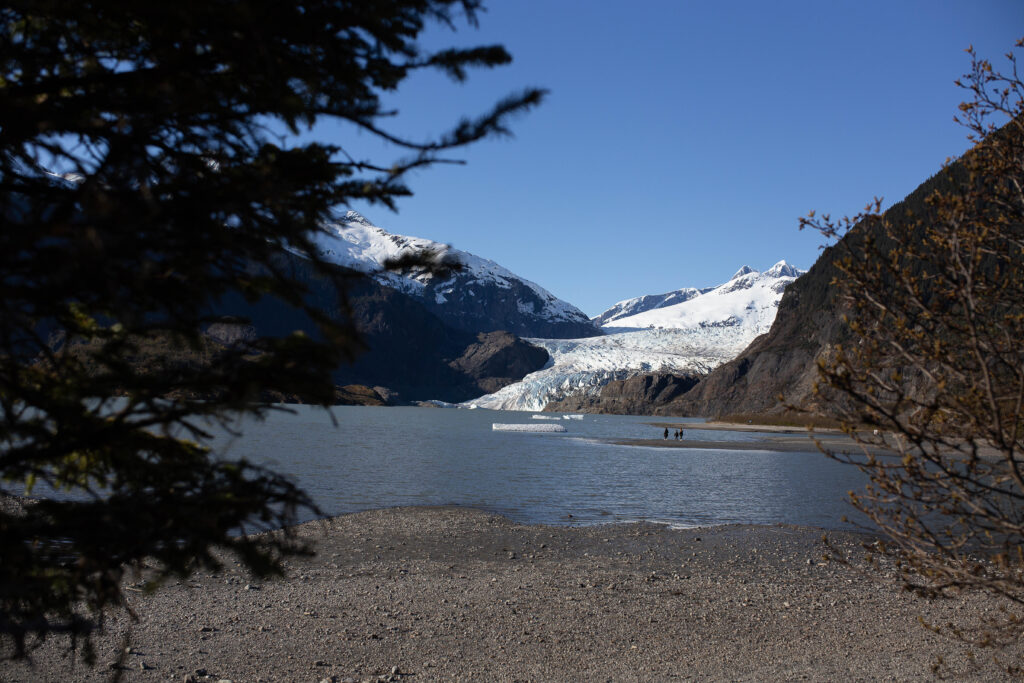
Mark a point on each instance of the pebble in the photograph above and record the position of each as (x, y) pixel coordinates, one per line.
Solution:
(568, 609)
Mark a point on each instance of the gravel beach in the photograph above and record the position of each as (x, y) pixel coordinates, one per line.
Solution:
(424, 594)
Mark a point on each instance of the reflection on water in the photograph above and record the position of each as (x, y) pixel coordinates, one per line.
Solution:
(384, 457)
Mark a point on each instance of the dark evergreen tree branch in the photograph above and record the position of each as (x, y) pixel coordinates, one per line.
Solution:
(140, 182)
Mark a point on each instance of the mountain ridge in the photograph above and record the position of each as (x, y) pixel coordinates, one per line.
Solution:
(684, 339)
(478, 296)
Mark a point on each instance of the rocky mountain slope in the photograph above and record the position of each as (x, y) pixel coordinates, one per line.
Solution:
(410, 353)
(779, 368)
(482, 296)
(633, 396)
(685, 339)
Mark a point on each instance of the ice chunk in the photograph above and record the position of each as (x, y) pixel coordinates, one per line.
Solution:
(545, 417)
(500, 427)
(572, 417)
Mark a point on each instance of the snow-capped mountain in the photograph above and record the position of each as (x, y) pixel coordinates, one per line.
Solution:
(748, 301)
(480, 297)
(648, 302)
(695, 335)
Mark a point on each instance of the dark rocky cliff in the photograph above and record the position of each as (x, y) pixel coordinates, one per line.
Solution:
(639, 395)
(498, 359)
(779, 368)
(410, 353)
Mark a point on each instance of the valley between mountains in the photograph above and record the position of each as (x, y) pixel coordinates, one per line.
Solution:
(481, 336)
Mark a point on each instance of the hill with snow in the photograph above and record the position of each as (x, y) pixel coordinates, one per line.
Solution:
(699, 332)
(482, 296)
(748, 301)
(648, 302)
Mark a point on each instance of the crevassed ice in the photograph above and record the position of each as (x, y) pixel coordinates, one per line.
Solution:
(695, 335)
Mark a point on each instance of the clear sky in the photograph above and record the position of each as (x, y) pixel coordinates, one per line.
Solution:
(682, 140)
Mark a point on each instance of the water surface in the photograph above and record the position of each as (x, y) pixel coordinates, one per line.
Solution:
(385, 457)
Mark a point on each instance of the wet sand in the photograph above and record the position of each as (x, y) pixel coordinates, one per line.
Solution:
(777, 444)
(773, 438)
(739, 427)
(427, 594)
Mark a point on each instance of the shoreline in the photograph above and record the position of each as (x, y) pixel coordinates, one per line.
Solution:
(741, 427)
(778, 445)
(774, 439)
(452, 593)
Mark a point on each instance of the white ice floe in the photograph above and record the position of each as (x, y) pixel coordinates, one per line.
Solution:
(572, 417)
(546, 417)
(500, 427)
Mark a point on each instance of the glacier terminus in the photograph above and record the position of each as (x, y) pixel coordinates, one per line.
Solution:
(690, 331)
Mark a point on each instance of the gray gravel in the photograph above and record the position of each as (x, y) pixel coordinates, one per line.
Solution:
(423, 594)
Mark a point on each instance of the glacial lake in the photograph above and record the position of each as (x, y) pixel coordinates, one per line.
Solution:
(387, 457)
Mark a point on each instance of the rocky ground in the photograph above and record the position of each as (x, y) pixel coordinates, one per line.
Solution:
(424, 594)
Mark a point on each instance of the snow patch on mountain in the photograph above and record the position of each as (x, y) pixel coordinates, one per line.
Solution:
(748, 302)
(647, 302)
(694, 335)
(354, 242)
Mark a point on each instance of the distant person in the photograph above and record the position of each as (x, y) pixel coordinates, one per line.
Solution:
(680, 433)
(666, 433)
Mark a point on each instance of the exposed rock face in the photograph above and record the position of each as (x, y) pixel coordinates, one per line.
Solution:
(498, 359)
(407, 349)
(358, 395)
(480, 296)
(780, 368)
(640, 395)
(231, 332)
(350, 395)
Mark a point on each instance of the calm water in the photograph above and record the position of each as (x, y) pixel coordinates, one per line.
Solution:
(384, 457)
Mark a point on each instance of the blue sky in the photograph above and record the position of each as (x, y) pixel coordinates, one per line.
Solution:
(681, 140)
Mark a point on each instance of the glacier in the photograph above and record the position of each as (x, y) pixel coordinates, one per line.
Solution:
(704, 329)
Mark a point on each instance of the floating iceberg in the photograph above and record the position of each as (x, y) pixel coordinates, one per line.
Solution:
(545, 417)
(499, 427)
(572, 417)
